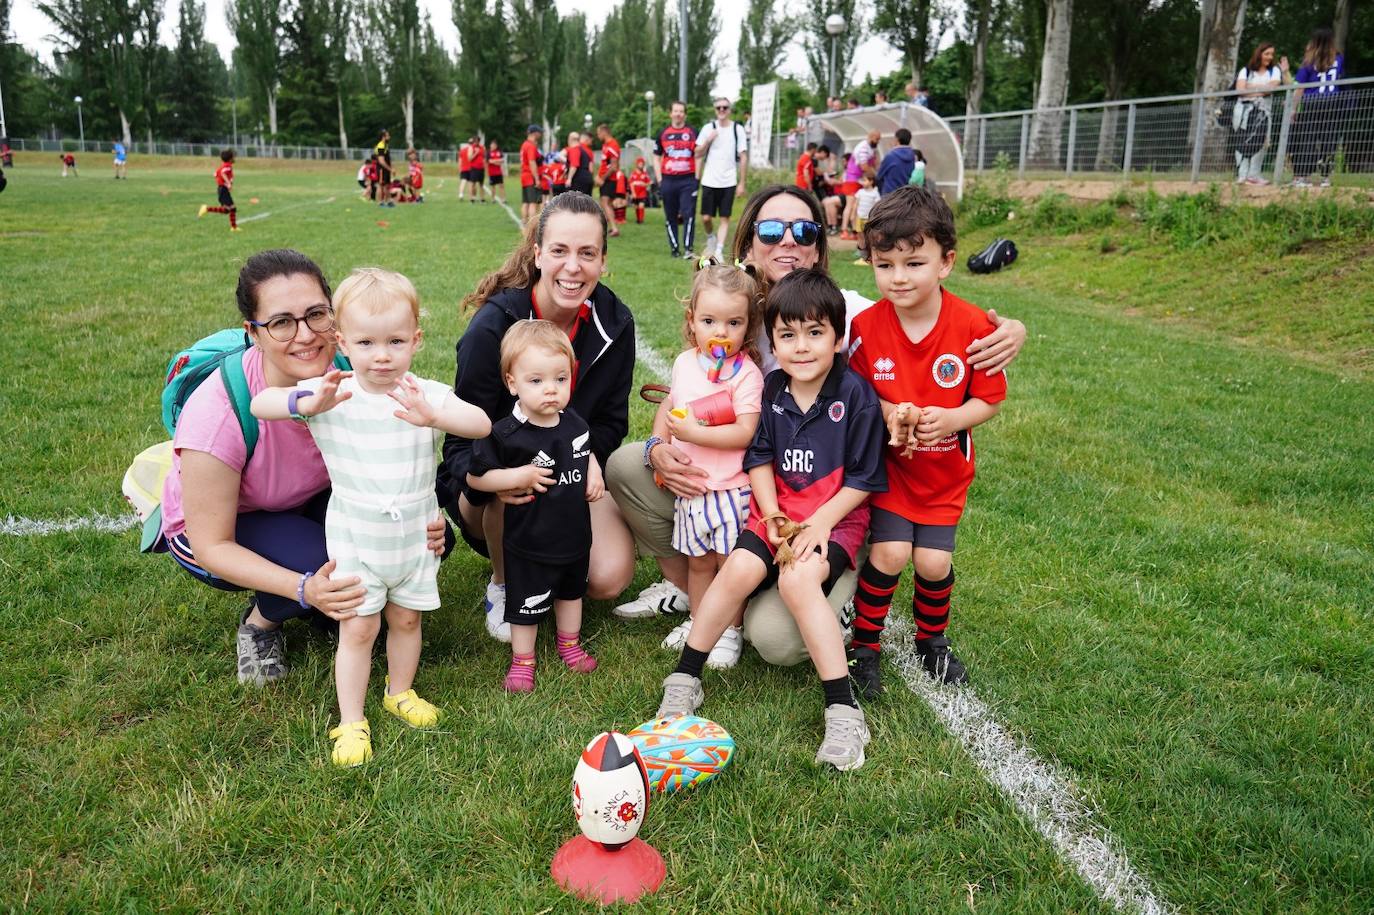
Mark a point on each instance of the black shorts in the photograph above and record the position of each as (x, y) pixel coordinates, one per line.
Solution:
(224, 199)
(532, 586)
(558, 189)
(530, 194)
(582, 183)
(608, 190)
(753, 543)
(717, 201)
(498, 178)
(473, 174)
(888, 527)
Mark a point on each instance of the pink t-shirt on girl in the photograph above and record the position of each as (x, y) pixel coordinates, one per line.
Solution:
(286, 469)
(724, 467)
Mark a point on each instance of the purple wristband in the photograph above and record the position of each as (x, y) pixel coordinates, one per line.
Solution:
(300, 590)
(291, 401)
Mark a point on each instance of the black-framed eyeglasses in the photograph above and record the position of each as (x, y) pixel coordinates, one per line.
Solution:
(283, 328)
(804, 231)
(722, 107)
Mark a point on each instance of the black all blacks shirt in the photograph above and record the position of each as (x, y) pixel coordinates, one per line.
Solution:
(557, 526)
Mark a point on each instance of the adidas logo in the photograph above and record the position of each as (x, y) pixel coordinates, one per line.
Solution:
(532, 603)
(883, 369)
(543, 460)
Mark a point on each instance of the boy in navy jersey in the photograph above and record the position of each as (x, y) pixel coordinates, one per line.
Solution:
(815, 458)
(910, 345)
(543, 450)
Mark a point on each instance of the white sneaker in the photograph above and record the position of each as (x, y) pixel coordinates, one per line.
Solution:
(846, 735)
(727, 651)
(495, 608)
(676, 639)
(659, 599)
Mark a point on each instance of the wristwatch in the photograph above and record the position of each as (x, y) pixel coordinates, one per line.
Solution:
(649, 447)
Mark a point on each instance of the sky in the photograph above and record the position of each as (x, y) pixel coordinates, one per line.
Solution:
(873, 56)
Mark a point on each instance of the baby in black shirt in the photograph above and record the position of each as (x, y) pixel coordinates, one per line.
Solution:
(543, 450)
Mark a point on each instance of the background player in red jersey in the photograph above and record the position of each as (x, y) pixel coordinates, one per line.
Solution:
(224, 183)
(531, 173)
(610, 164)
(640, 182)
(496, 171)
(911, 347)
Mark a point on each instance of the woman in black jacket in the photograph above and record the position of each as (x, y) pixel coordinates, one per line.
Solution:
(554, 274)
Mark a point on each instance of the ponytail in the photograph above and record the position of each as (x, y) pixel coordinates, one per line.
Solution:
(519, 271)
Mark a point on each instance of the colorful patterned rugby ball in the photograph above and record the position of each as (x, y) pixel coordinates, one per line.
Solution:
(610, 790)
(683, 751)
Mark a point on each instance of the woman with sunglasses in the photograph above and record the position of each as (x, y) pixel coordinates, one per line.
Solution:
(237, 523)
(779, 231)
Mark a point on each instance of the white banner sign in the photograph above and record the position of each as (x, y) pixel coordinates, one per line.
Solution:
(761, 125)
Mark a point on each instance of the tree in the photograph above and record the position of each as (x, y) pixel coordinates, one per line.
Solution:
(257, 26)
(491, 95)
(817, 43)
(396, 24)
(702, 28)
(981, 11)
(908, 26)
(538, 40)
(763, 39)
(195, 70)
(1054, 83)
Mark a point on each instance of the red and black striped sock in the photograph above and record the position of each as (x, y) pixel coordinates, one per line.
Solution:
(872, 599)
(233, 217)
(217, 209)
(930, 605)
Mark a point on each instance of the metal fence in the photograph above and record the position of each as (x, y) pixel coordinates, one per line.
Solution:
(1288, 132)
(249, 150)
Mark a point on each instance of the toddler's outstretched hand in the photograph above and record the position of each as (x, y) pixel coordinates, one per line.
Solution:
(415, 409)
(327, 397)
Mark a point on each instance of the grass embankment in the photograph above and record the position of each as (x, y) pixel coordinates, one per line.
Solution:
(1164, 586)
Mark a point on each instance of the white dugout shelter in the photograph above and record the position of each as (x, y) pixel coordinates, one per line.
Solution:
(841, 130)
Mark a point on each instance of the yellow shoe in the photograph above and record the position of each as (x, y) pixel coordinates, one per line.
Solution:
(204, 208)
(235, 229)
(411, 709)
(352, 744)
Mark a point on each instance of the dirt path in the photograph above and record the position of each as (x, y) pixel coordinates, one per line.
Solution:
(1103, 188)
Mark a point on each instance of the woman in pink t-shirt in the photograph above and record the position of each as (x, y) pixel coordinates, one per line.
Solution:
(258, 524)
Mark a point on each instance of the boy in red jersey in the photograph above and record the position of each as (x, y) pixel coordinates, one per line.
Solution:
(496, 171)
(477, 169)
(806, 168)
(531, 173)
(619, 185)
(910, 346)
(640, 182)
(610, 164)
(416, 176)
(224, 183)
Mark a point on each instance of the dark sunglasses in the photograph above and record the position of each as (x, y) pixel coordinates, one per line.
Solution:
(804, 231)
(722, 107)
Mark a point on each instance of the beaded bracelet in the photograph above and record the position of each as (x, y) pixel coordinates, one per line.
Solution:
(300, 590)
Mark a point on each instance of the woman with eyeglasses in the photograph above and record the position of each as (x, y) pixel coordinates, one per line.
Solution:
(779, 231)
(241, 523)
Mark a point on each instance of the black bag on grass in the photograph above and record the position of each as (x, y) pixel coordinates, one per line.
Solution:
(994, 257)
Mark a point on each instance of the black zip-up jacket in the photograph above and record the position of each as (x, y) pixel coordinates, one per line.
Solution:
(605, 350)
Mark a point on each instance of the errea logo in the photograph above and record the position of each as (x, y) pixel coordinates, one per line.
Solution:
(883, 369)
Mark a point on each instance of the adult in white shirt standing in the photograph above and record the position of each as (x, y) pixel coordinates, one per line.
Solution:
(723, 147)
(1257, 79)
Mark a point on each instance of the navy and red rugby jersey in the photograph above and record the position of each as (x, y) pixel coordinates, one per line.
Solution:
(837, 443)
(678, 147)
(931, 486)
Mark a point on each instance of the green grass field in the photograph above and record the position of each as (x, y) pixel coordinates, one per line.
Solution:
(1165, 588)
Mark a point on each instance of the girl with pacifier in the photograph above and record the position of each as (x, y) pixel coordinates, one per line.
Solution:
(710, 414)
(377, 428)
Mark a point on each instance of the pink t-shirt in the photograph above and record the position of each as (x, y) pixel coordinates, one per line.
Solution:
(724, 467)
(286, 469)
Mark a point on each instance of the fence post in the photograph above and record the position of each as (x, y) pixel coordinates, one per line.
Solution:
(982, 143)
(1073, 134)
(1021, 158)
(1199, 123)
(1282, 150)
(1130, 139)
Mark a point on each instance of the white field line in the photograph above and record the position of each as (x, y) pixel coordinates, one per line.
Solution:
(294, 206)
(1044, 795)
(29, 527)
(646, 354)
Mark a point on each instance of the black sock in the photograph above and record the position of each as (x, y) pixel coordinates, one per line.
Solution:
(839, 692)
(692, 662)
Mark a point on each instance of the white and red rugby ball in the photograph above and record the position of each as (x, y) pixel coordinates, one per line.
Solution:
(610, 790)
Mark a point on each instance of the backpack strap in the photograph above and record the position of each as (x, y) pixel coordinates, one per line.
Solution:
(240, 397)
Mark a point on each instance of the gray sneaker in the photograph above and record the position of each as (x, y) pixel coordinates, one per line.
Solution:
(262, 653)
(846, 735)
(682, 695)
